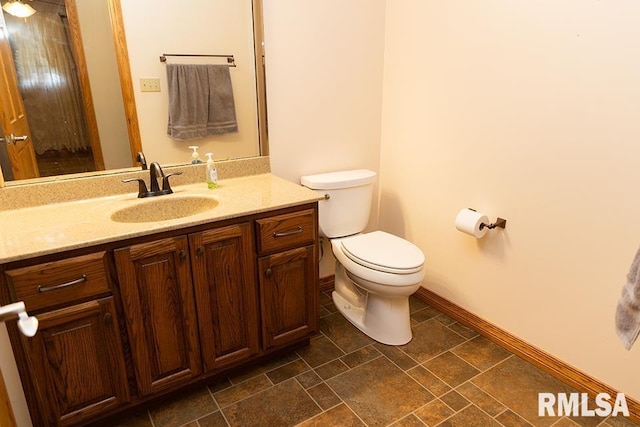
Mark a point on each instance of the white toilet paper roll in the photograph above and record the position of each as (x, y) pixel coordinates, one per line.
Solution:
(470, 222)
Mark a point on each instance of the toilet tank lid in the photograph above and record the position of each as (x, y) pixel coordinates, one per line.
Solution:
(341, 179)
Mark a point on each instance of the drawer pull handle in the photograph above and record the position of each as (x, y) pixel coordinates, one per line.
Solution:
(64, 285)
(288, 233)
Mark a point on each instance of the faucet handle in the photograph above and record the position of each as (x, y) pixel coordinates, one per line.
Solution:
(142, 187)
(165, 182)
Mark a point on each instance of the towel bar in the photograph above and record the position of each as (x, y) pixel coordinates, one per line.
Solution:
(231, 61)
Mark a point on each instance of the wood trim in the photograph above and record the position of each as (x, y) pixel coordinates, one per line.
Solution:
(6, 414)
(327, 283)
(77, 48)
(261, 83)
(126, 81)
(543, 360)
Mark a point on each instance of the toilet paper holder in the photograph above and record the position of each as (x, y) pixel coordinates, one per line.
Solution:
(500, 223)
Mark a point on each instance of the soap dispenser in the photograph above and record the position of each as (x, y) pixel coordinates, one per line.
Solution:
(212, 172)
(195, 155)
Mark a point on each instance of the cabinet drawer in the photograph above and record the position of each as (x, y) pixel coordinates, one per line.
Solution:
(286, 231)
(59, 282)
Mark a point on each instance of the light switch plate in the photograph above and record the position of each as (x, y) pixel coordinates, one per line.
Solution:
(150, 85)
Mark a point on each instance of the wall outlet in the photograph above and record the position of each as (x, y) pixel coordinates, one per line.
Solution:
(150, 85)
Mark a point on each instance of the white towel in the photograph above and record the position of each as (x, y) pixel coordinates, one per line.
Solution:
(201, 101)
(628, 310)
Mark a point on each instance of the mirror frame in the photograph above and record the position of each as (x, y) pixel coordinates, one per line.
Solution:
(261, 82)
(128, 97)
(126, 81)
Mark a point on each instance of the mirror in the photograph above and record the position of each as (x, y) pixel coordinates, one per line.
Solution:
(120, 119)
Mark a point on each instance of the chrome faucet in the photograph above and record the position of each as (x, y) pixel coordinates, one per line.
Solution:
(155, 172)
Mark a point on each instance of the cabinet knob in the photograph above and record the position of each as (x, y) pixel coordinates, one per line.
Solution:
(182, 254)
(268, 272)
(108, 318)
(199, 251)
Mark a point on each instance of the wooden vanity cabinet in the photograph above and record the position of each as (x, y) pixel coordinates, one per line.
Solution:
(160, 314)
(226, 295)
(288, 297)
(191, 304)
(288, 276)
(75, 363)
(145, 317)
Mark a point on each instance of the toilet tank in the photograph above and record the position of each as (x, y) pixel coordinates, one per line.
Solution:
(347, 204)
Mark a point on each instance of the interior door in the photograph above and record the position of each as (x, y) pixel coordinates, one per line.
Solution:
(13, 118)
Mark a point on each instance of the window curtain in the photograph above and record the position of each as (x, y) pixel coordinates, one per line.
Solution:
(48, 79)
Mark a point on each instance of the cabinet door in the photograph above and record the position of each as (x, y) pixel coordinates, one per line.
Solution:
(226, 294)
(77, 362)
(157, 298)
(289, 295)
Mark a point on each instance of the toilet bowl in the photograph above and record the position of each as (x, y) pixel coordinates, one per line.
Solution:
(374, 276)
(375, 272)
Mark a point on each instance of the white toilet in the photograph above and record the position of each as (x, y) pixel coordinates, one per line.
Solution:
(375, 272)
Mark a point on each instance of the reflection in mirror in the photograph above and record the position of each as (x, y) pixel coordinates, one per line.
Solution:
(113, 113)
(56, 68)
(5, 162)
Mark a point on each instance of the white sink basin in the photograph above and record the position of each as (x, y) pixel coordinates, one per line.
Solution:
(164, 208)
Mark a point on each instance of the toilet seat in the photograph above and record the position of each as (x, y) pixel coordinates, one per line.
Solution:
(384, 252)
(373, 278)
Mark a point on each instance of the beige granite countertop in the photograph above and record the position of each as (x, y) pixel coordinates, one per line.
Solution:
(51, 228)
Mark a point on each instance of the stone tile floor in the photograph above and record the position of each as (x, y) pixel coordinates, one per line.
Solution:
(448, 375)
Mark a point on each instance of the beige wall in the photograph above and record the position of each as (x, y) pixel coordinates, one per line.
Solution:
(324, 88)
(324, 84)
(524, 110)
(102, 68)
(528, 111)
(164, 26)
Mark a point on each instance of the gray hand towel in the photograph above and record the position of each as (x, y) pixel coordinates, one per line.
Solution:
(200, 101)
(628, 310)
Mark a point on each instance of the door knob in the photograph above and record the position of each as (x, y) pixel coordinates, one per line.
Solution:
(12, 139)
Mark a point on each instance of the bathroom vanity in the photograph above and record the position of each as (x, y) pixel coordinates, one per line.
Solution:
(132, 309)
